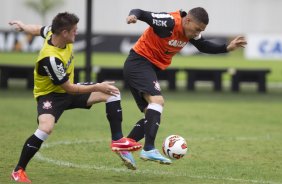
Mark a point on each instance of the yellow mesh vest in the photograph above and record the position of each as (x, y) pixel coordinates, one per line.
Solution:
(43, 84)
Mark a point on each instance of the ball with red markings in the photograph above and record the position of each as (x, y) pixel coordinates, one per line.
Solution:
(174, 147)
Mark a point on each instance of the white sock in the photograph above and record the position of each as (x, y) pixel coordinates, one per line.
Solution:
(41, 135)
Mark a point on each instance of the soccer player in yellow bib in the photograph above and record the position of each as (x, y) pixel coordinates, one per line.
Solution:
(55, 91)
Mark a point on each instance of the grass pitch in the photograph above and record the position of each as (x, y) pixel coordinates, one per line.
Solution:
(232, 139)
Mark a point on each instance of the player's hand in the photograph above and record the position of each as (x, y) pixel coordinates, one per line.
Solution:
(18, 25)
(131, 19)
(108, 88)
(238, 42)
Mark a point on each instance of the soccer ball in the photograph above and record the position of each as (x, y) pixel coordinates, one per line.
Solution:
(174, 147)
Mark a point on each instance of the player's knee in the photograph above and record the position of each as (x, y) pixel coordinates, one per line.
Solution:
(46, 123)
(48, 129)
(97, 97)
(162, 102)
(158, 100)
(154, 99)
(109, 98)
(113, 98)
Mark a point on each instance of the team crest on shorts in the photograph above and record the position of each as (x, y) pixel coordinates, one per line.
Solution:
(47, 104)
(157, 85)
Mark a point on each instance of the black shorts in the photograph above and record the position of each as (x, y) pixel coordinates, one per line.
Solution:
(57, 103)
(140, 75)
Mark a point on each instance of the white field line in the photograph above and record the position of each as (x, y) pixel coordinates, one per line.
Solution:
(219, 138)
(232, 138)
(62, 163)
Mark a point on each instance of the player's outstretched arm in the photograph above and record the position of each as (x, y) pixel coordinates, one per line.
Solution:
(27, 28)
(106, 87)
(236, 43)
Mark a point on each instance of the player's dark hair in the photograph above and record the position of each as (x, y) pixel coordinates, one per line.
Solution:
(63, 21)
(200, 15)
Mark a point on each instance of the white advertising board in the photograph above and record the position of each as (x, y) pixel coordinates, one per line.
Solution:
(264, 46)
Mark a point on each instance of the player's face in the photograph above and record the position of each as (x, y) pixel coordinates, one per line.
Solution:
(70, 35)
(193, 28)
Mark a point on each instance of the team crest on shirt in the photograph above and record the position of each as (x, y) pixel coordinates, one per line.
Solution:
(47, 105)
(157, 85)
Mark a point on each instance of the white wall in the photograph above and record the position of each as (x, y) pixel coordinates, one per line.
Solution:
(227, 17)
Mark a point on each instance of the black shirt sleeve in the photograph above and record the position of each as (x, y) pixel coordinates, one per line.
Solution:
(54, 68)
(44, 30)
(162, 23)
(208, 47)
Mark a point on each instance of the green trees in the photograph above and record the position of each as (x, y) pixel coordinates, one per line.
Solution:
(43, 7)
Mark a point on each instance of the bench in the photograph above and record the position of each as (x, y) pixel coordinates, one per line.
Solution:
(257, 76)
(25, 72)
(10, 71)
(169, 75)
(193, 75)
(103, 74)
(212, 75)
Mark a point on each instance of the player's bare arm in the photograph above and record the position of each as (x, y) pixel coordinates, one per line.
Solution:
(27, 28)
(237, 42)
(106, 87)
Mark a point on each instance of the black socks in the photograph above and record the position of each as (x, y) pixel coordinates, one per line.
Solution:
(114, 116)
(152, 124)
(138, 131)
(31, 146)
